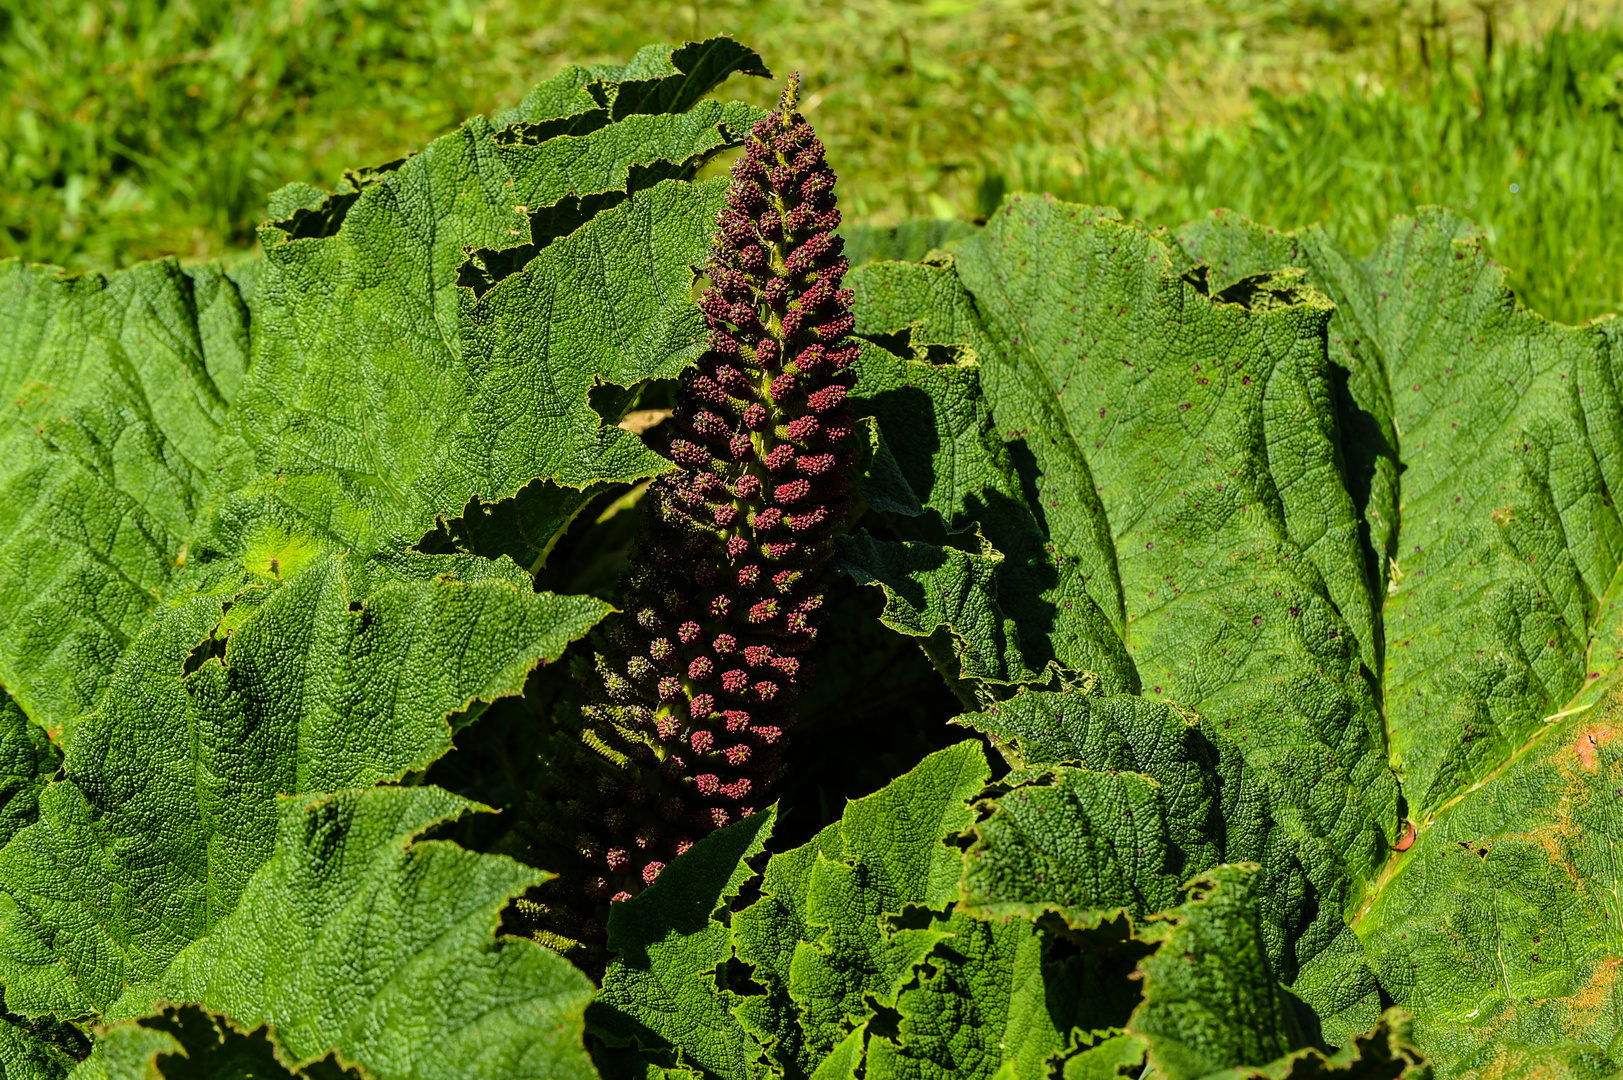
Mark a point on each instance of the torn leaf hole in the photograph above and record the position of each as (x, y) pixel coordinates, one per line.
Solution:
(485, 268)
(537, 132)
(885, 1021)
(899, 343)
(314, 222)
(211, 647)
(750, 891)
(739, 977)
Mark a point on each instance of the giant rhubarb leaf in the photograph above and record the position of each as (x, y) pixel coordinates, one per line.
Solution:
(1368, 551)
(168, 799)
(997, 998)
(859, 964)
(1184, 474)
(359, 939)
(396, 378)
(1509, 433)
(366, 415)
(938, 429)
(1501, 566)
(118, 387)
(662, 994)
(852, 927)
(1088, 843)
(1212, 1007)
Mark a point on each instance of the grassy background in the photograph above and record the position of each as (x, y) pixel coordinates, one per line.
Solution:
(132, 128)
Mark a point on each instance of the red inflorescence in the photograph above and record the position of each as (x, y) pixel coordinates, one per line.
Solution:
(727, 574)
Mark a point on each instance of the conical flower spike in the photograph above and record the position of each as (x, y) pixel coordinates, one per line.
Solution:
(693, 683)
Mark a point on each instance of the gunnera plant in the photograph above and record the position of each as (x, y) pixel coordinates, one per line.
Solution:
(689, 703)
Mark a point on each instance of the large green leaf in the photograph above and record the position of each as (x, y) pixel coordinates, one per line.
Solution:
(1213, 1009)
(1501, 560)
(891, 859)
(1082, 842)
(1509, 431)
(167, 805)
(850, 927)
(1424, 482)
(127, 419)
(1156, 803)
(1162, 797)
(1211, 1001)
(856, 966)
(1186, 475)
(658, 79)
(766, 934)
(947, 597)
(994, 1000)
(119, 387)
(611, 304)
(357, 936)
(936, 424)
(386, 392)
(661, 992)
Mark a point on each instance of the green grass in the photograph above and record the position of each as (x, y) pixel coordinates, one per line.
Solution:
(136, 128)
(140, 128)
(1530, 145)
